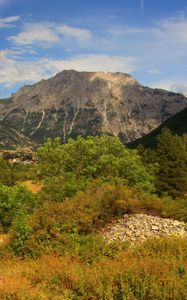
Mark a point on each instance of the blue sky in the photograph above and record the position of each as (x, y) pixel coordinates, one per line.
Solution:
(146, 38)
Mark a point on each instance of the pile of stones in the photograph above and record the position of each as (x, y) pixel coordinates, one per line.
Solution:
(138, 227)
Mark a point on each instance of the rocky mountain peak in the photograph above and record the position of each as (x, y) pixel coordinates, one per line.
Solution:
(88, 103)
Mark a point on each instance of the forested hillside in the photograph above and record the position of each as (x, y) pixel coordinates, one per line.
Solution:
(177, 124)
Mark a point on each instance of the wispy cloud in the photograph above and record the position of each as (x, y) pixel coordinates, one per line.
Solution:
(168, 29)
(142, 5)
(93, 62)
(123, 31)
(42, 33)
(179, 88)
(48, 33)
(13, 71)
(151, 52)
(173, 29)
(73, 32)
(3, 2)
(7, 22)
(171, 85)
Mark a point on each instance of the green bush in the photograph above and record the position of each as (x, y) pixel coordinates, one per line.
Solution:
(20, 233)
(13, 201)
(70, 167)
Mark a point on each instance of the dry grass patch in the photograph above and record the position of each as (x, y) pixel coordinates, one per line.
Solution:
(34, 187)
(4, 240)
(154, 270)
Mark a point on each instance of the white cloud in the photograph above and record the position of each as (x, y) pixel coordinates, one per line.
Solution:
(160, 46)
(165, 30)
(41, 33)
(73, 32)
(127, 31)
(94, 62)
(172, 29)
(7, 22)
(160, 50)
(177, 86)
(47, 34)
(13, 71)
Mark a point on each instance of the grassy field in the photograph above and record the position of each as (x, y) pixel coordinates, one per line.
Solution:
(154, 270)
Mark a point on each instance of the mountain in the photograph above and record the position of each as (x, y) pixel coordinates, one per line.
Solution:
(88, 103)
(11, 138)
(177, 124)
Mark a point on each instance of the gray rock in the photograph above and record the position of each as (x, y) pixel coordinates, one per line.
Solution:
(138, 227)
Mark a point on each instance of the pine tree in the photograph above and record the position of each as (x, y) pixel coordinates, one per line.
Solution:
(171, 155)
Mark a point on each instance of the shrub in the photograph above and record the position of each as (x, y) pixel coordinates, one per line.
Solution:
(14, 200)
(53, 225)
(20, 233)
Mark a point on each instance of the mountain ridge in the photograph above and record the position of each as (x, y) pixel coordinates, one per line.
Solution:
(177, 124)
(76, 103)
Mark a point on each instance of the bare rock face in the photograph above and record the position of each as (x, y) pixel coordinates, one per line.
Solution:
(88, 103)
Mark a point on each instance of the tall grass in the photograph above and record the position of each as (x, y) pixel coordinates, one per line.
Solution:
(153, 270)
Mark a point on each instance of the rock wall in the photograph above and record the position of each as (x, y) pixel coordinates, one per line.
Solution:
(139, 227)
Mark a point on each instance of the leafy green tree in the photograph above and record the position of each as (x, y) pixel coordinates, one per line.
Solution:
(171, 155)
(69, 167)
(20, 233)
(50, 158)
(8, 174)
(11, 173)
(14, 201)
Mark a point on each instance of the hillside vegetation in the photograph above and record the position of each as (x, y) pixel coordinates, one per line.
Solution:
(52, 214)
(177, 124)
